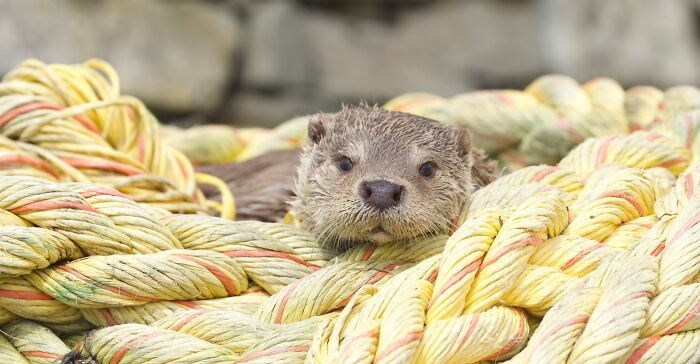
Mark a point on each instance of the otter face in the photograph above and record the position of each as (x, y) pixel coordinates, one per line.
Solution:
(372, 175)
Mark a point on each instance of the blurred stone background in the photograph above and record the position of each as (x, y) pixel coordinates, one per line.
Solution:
(260, 62)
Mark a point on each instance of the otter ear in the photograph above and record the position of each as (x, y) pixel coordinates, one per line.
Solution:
(483, 169)
(316, 129)
(464, 142)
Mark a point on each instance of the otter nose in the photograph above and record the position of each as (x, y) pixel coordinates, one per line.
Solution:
(381, 194)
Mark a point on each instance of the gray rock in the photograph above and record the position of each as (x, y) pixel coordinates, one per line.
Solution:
(632, 41)
(446, 49)
(174, 55)
(276, 55)
(248, 109)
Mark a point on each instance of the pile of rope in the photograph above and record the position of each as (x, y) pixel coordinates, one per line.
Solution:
(219, 143)
(553, 114)
(595, 258)
(519, 128)
(69, 123)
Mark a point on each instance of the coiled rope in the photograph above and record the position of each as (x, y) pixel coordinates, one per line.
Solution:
(537, 125)
(593, 258)
(70, 123)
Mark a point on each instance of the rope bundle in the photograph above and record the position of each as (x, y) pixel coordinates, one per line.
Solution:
(539, 124)
(553, 114)
(70, 123)
(34, 343)
(215, 144)
(594, 258)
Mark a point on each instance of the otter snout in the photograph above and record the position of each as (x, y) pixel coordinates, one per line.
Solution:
(381, 194)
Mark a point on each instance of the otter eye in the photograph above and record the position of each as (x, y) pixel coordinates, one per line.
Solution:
(427, 169)
(344, 164)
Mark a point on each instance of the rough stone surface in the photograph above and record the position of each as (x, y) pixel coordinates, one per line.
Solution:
(259, 109)
(175, 55)
(276, 56)
(261, 62)
(445, 49)
(633, 41)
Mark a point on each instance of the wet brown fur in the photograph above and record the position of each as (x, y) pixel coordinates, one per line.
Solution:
(261, 186)
(382, 145)
(391, 146)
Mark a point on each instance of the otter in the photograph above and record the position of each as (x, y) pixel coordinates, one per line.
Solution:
(369, 174)
(365, 174)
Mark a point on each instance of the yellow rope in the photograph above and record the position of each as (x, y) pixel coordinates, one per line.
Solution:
(246, 303)
(24, 300)
(119, 280)
(36, 343)
(591, 258)
(70, 123)
(228, 205)
(23, 250)
(134, 343)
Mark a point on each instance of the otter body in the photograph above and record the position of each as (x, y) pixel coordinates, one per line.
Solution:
(364, 174)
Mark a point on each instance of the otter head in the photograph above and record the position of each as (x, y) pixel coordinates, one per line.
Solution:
(371, 175)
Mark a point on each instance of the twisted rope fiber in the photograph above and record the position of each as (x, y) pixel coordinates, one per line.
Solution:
(594, 258)
(273, 255)
(146, 314)
(539, 124)
(70, 123)
(370, 333)
(36, 344)
(123, 280)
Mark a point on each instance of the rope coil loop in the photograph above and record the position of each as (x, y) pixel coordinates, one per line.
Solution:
(587, 251)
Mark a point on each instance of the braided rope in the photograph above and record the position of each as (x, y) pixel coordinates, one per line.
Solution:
(23, 250)
(123, 280)
(449, 307)
(132, 343)
(37, 344)
(553, 114)
(8, 353)
(70, 123)
(149, 313)
(272, 259)
(591, 258)
(20, 297)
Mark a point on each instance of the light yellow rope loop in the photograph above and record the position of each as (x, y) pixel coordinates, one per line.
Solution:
(336, 285)
(228, 205)
(555, 336)
(272, 260)
(8, 353)
(54, 206)
(134, 343)
(118, 280)
(638, 150)
(24, 249)
(620, 197)
(686, 316)
(23, 299)
(146, 233)
(247, 304)
(402, 327)
(474, 337)
(232, 330)
(36, 343)
(537, 220)
(288, 344)
(595, 254)
(681, 253)
(460, 262)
